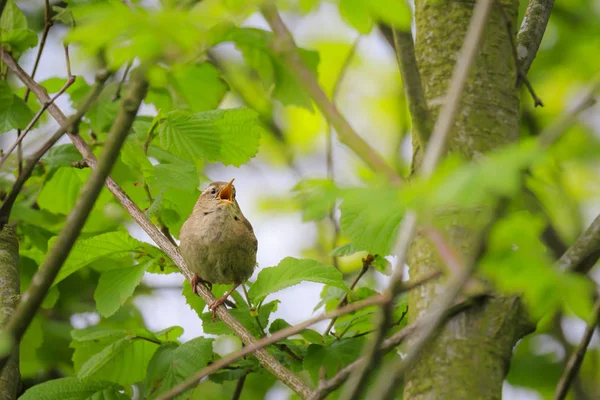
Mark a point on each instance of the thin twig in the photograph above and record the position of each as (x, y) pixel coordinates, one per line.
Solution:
(239, 387)
(435, 148)
(47, 25)
(570, 372)
(411, 81)
(36, 157)
(35, 119)
(163, 228)
(531, 31)
(117, 94)
(366, 264)
(268, 340)
(265, 358)
(329, 145)
(43, 278)
(283, 45)
(521, 77)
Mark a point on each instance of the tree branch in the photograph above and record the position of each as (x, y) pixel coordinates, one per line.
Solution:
(36, 157)
(266, 359)
(284, 46)
(433, 153)
(43, 278)
(562, 389)
(531, 32)
(9, 297)
(584, 253)
(411, 80)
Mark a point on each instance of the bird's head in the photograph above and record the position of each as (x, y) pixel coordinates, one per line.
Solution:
(217, 194)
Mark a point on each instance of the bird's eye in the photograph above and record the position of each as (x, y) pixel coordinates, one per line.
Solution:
(213, 191)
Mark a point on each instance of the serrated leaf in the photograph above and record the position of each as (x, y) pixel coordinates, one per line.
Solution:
(74, 389)
(291, 271)
(173, 363)
(116, 286)
(240, 133)
(343, 250)
(230, 136)
(187, 136)
(111, 245)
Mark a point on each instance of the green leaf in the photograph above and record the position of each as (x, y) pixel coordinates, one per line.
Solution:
(200, 86)
(287, 88)
(116, 286)
(74, 389)
(61, 155)
(182, 176)
(310, 335)
(245, 316)
(230, 136)
(332, 357)
(172, 363)
(111, 245)
(291, 271)
(240, 130)
(60, 193)
(371, 218)
(195, 302)
(357, 14)
(393, 12)
(187, 136)
(343, 250)
(15, 36)
(133, 156)
(115, 355)
(14, 112)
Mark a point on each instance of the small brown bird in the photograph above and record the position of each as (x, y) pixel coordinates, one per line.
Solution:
(217, 242)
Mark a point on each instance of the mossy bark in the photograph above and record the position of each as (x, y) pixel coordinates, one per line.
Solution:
(9, 297)
(470, 356)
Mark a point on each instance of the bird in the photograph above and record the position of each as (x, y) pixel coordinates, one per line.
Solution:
(217, 242)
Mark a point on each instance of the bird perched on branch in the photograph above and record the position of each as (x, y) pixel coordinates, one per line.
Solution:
(217, 242)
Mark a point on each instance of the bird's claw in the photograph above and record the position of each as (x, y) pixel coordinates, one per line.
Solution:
(195, 280)
(213, 307)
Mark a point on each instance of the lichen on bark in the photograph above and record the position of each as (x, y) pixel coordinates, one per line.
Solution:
(469, 357)
(9, 297)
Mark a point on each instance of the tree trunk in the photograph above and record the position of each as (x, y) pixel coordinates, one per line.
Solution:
(470, 356)
(9, 297)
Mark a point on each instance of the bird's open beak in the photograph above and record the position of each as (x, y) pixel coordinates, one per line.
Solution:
(226, 194)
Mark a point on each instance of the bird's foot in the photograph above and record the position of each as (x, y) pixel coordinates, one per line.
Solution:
(213, 306)
(195, 280)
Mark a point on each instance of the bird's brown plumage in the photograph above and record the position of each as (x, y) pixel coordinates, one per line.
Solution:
(216, 241)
